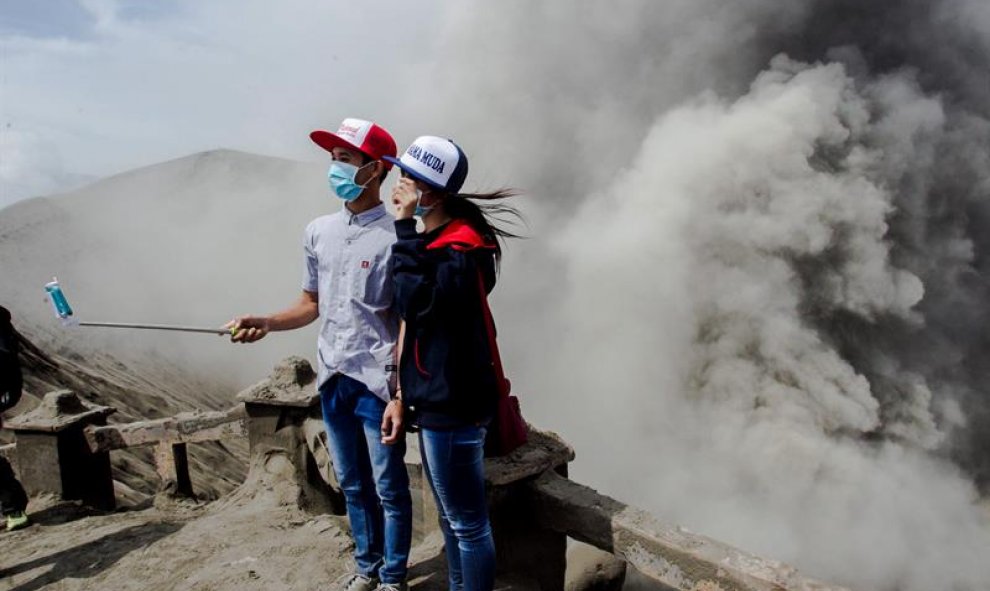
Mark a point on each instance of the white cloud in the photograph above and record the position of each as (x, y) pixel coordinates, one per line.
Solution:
(31, 165)
(133, 88)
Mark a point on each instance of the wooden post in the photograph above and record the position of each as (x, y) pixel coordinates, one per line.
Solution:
(523, 546)
(52, 453)
(281, 411)
(172, 465)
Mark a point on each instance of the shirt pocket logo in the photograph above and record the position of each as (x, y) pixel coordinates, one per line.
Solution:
(367, 280)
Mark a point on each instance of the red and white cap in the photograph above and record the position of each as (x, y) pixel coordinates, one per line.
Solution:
(358, 134)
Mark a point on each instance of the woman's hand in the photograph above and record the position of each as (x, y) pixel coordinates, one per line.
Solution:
(404, 198)
(392, 423)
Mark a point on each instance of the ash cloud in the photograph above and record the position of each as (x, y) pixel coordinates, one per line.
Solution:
(936, 162)
(766, 275)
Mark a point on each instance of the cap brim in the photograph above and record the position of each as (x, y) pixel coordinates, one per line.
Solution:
(328, 141)
(412, 172)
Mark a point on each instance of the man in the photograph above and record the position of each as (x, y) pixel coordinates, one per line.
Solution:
(13, 501)
(346, 285)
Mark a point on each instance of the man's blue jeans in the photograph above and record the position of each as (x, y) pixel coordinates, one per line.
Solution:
(372, 477)
(453, 461)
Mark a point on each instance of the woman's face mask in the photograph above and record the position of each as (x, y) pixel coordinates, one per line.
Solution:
(422, 210)
(341, 177)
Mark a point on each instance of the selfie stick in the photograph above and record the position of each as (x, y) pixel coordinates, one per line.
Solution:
(64, 312)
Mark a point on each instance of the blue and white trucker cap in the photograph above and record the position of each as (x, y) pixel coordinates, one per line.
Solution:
(436, 161)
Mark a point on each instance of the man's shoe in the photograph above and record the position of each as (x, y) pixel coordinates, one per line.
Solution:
(393, 587)
(355, 582)
(17, 521)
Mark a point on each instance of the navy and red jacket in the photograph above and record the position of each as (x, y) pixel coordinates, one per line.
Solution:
(446, 371)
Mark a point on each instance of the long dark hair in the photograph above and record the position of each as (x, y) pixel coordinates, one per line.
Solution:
(486, 218)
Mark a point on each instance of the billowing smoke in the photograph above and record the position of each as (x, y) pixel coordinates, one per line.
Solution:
(739, 231)
(766, 290)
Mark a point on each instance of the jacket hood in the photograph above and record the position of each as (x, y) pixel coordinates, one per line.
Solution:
(461, 236)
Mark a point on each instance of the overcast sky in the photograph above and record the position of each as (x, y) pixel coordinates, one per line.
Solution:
(94, 87)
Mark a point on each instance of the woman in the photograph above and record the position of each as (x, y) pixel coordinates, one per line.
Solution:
(448, 383)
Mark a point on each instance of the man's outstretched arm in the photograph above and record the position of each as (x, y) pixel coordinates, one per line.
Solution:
(248, 329)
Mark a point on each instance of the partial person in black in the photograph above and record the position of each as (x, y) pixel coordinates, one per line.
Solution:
(13, 500)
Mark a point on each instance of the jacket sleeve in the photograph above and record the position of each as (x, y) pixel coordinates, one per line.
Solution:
(426, 288)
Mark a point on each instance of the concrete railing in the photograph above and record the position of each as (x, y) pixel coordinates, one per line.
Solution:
(62, 447)
(669, 555)
(71, 434)
(169, 437)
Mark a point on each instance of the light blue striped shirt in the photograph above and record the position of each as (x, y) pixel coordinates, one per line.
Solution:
(347, 265)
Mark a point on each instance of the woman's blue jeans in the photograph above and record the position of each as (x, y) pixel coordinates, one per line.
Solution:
(372, 477)
(453, 461)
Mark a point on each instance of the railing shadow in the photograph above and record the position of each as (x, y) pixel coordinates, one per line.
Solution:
(89, 559)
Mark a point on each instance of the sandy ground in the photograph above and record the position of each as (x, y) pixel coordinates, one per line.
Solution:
(254, 536)
(250, 541)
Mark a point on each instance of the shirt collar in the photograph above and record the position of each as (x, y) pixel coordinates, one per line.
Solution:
(365, 217)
